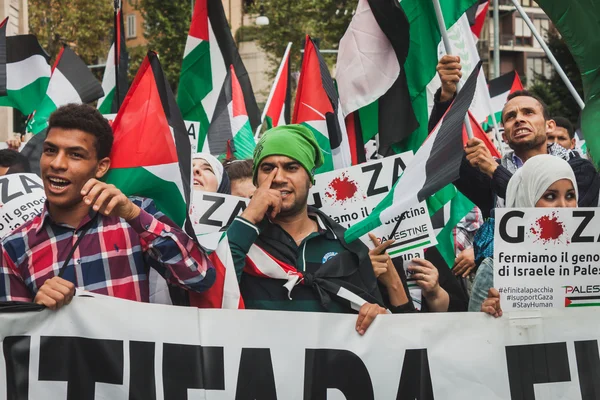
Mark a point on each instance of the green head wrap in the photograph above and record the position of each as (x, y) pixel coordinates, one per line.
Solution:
(293, 141)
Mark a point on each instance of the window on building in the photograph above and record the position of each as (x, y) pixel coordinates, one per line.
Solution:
(538, 66)
(131, 26)
(523, 36)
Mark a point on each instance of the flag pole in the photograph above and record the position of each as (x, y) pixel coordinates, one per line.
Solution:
(448, 47)
(496, 14)
(549, 54)
(277, 77)
(117, 97)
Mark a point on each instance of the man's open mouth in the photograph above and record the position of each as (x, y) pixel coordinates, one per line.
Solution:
(58, 183)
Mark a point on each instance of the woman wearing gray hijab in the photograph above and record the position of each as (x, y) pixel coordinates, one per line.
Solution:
(543, 181)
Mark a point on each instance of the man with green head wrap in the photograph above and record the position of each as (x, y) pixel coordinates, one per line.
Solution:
(280, 223)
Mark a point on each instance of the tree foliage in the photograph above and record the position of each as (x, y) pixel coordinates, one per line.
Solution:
(552, 90)
(292, 20)
(84, 25)
(167, 25)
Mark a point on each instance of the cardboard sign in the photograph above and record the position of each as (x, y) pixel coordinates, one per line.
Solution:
(349, 195)
(22, 197)
(547, 258)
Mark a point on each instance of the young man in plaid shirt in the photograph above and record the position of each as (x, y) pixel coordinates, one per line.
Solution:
(123, 237)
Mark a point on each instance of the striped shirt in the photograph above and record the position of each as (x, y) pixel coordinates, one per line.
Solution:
(113, 258)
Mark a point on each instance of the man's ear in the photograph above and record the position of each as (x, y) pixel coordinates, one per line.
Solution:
(573, 143)
(550, 126)
(103, 167)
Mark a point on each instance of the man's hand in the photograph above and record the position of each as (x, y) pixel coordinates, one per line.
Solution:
(480, 157)
(427, 276)
(14, 143)
(108, 200)
(367, 315)
(449, 69)
(264, 200)
(464, 263)
(55, 293)
(491, 305)
(383, 267)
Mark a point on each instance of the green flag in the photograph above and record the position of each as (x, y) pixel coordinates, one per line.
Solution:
(578, 22)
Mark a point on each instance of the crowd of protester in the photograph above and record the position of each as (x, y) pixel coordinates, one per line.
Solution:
(124, 238)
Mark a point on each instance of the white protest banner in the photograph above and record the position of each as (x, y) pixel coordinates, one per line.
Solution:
(546, 257)
(193, 129)
(349, 195)
(105, 348)
(21, 199)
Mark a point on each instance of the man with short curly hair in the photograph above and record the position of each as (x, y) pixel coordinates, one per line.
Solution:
(89, 234)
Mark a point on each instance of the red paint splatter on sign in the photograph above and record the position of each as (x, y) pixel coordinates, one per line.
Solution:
(548, 228)
(341, 189)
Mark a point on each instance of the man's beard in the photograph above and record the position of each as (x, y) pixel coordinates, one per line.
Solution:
(297, 207)
(536, 142)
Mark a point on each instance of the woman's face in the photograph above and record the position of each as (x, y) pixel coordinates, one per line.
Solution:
(560, 194)
(204, 176)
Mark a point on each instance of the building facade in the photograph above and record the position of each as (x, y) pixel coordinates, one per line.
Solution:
(519, 50)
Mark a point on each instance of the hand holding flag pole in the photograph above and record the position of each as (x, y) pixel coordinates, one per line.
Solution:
(448, 46)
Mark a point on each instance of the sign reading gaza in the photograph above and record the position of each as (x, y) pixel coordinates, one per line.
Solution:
(125, 350)
(547, 257)
(349, 195)
(21, 199)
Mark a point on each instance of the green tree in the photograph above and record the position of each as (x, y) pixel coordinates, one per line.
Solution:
(553, 90)
(292, 20)
(166, 27)
(84, 25)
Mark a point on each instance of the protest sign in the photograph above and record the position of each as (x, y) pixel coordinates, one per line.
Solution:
(211, 212)
(120, 349)
(349, 195)
(545, 257)
(21, 199)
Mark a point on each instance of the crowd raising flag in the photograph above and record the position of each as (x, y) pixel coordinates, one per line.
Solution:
(578, 23)
(230, 122)
(151, 154)
(318, 107)
(109, 104)
(209, 51)
(370, 69)
(277, 108)
(71, 82)
(500, 88)
(434, 166)
(24, 71)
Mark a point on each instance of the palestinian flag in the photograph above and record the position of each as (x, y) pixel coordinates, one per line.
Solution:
(578, 23)
(355, 138)
(434, 166)
(209, 51)
(151, 154)
(499, 89)
(370, 69)
(477, 15)
(24, 71)
(277, 109)
(582, 301)
(331, 279)
(71, 82)
(230, 122)
(318, 107)
(116, 63)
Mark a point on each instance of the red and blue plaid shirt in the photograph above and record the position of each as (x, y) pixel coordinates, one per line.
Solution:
(113, 258)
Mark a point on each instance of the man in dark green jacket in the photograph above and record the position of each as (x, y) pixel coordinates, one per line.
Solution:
(301, 238)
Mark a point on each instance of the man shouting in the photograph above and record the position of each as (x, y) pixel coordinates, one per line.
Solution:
(89, 234)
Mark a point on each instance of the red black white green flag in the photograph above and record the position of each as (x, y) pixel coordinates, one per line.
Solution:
(318, 108)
